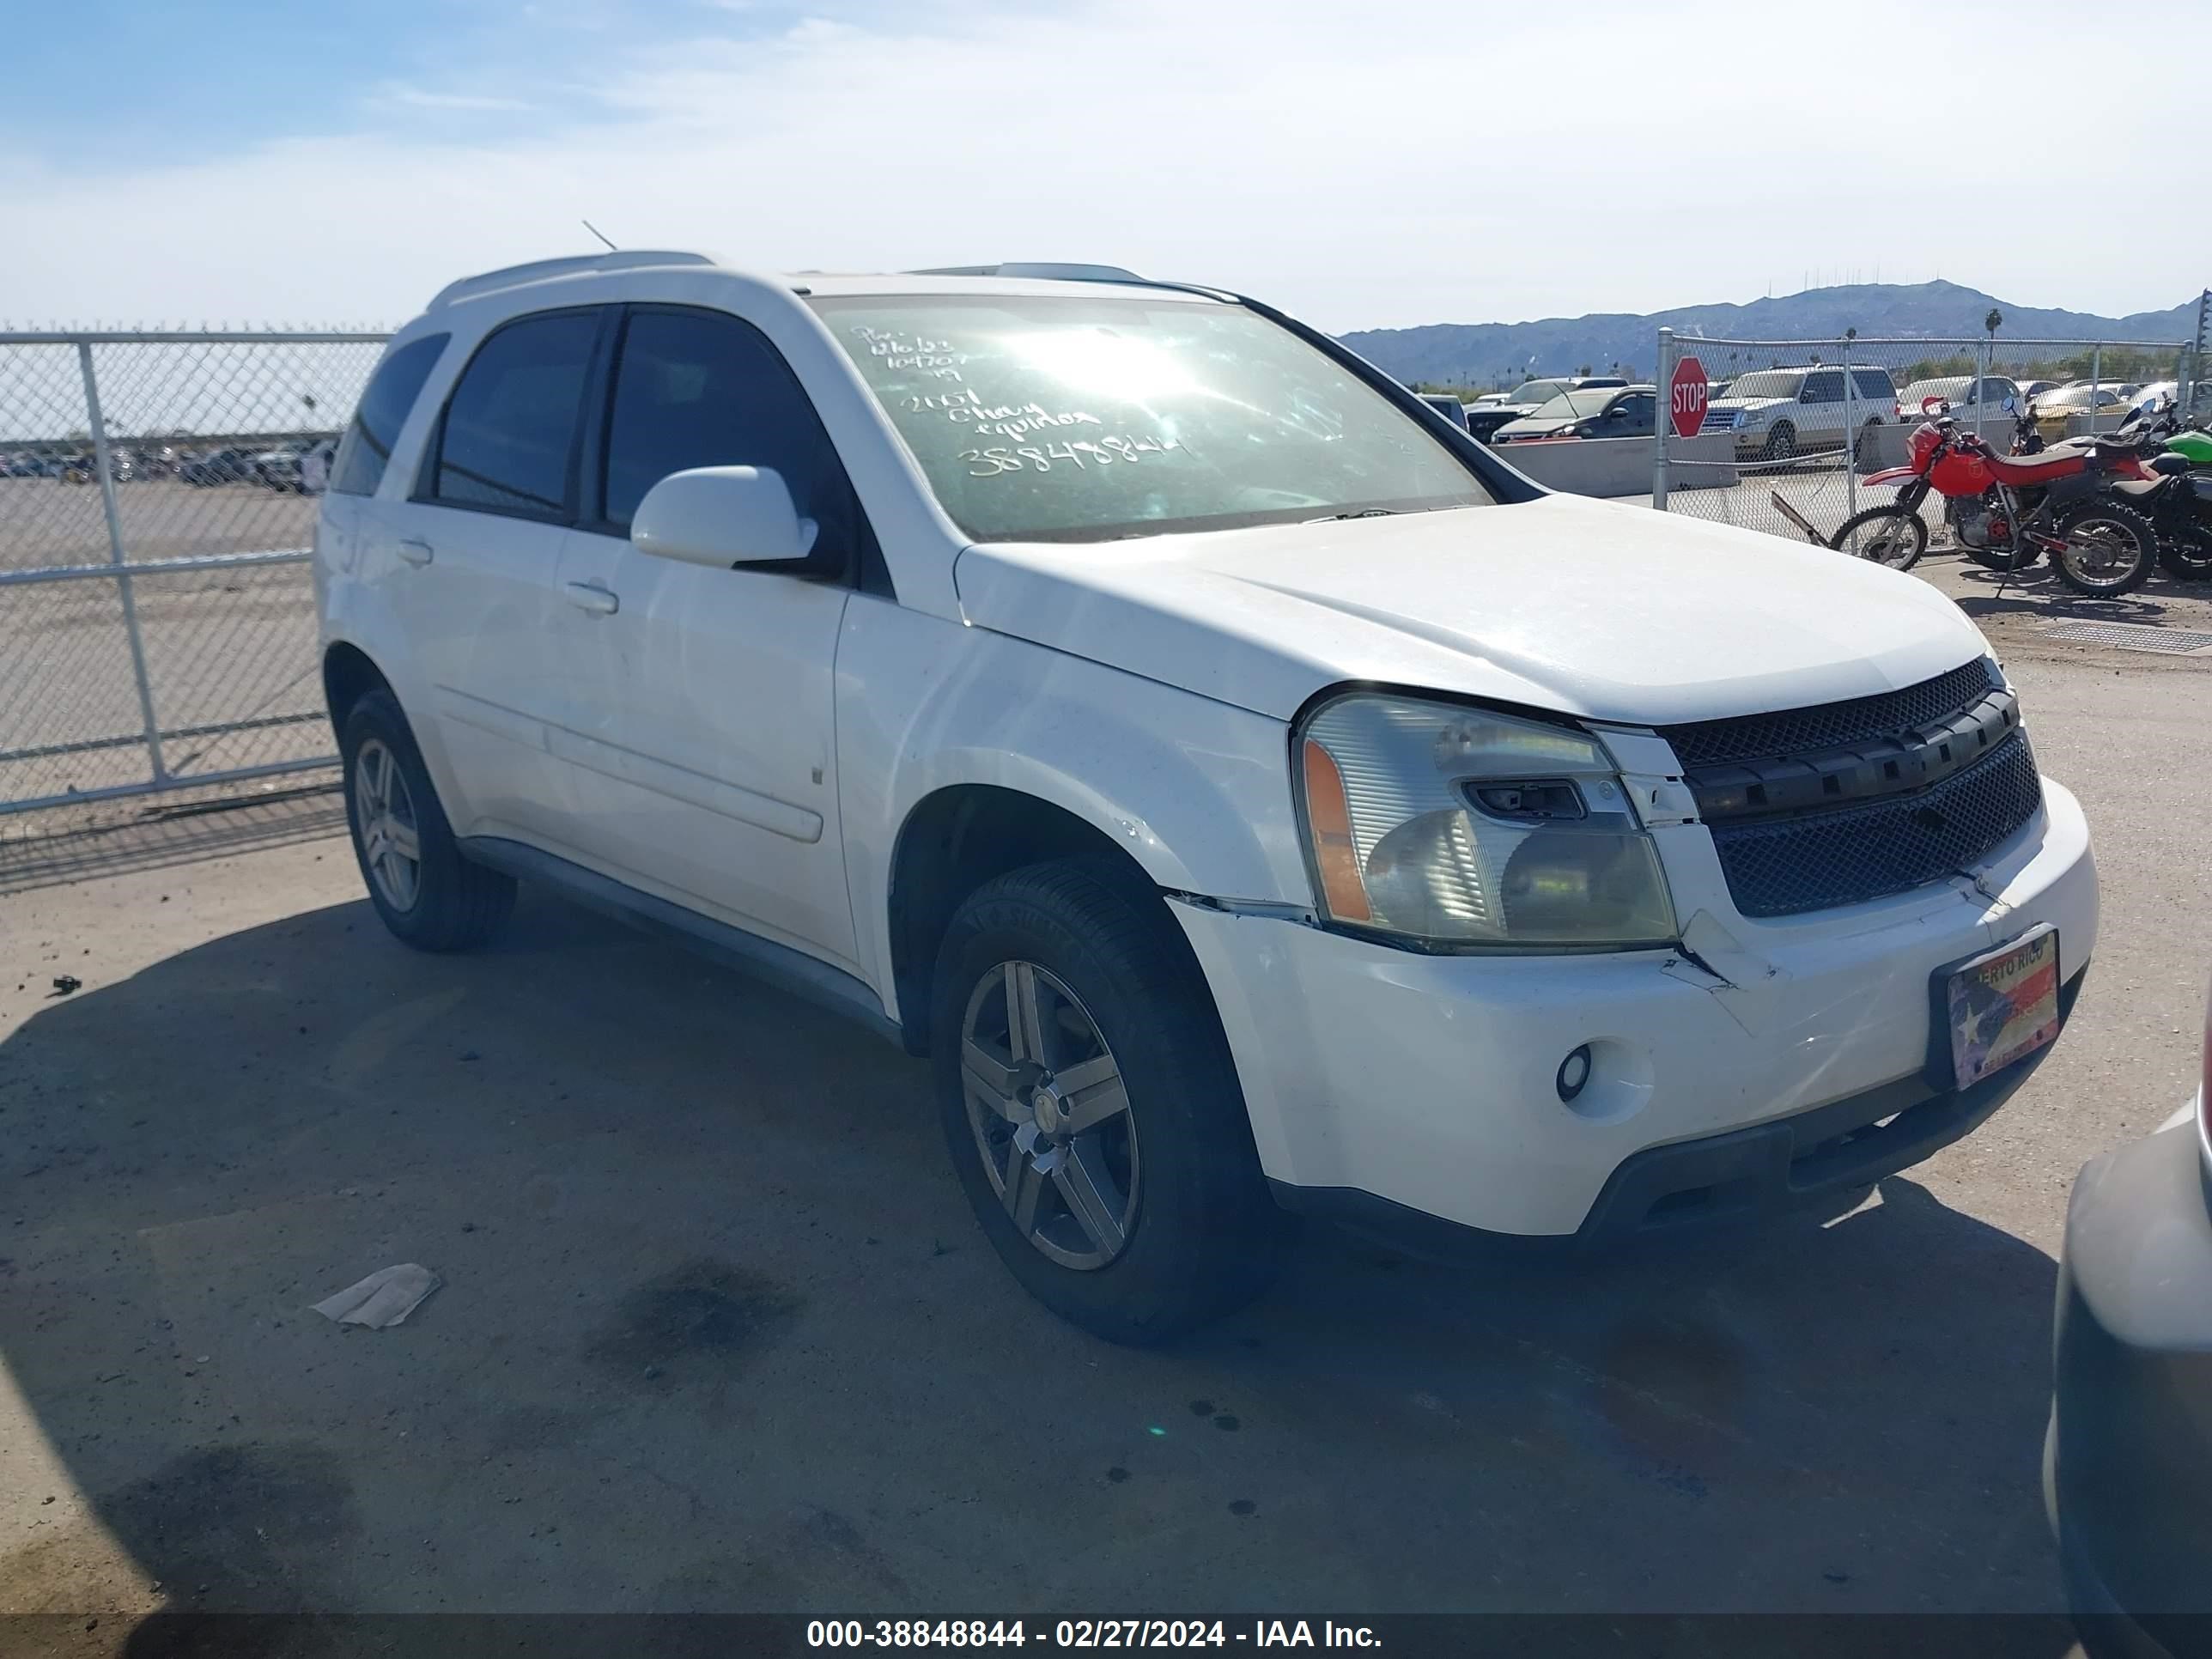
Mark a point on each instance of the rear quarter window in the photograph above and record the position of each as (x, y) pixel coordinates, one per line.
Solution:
(384, 408)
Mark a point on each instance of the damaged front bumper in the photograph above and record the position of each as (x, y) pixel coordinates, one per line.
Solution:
(1744, 1068)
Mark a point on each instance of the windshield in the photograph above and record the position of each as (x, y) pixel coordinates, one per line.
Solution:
(1535, 391)
(1773, 383)
(1573, 405)
(1067, 418)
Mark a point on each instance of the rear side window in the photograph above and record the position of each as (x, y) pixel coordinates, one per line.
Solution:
(1874, 383)
(382, 411)
(702, 388)
(511, 424)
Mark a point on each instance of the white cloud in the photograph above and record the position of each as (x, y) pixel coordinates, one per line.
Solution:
(422, 98)
(1431, 161)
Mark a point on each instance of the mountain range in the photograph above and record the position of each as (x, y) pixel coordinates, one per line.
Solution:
(1490, 353)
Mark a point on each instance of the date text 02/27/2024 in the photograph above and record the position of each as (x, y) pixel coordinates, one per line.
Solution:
(941, 1634)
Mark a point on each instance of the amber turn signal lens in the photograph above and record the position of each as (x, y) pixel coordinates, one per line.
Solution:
(1328, 820)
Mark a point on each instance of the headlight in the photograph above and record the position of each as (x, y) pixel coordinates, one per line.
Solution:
(1742, 419)
(1457, 826)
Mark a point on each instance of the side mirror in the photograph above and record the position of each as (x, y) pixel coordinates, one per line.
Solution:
(2011, 405)
(1933, 405)
(722, 516)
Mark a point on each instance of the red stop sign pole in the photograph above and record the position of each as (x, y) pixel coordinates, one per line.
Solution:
(1686, 397)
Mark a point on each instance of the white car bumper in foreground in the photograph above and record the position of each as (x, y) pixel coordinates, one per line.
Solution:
(1417, 1094)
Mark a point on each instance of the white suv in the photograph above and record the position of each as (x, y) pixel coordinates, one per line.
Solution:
(1250, 794)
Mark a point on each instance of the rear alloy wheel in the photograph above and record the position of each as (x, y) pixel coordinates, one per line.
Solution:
(1090, 1106)
(1781, 443)
(425, 891)
(2110, 548)
(1883, 534)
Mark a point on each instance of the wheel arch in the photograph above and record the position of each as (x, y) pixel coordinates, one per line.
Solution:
(348, 674)
(953, 841)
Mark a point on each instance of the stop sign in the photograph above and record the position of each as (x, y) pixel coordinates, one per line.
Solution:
(1686, 397)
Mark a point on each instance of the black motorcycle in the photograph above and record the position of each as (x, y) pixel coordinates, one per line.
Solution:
(2177, 497)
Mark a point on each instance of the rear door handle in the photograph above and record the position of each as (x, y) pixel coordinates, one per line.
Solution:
(414, 552)
(590, 596)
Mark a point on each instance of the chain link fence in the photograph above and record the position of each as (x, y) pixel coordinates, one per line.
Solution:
(157, 507)
(1792, 428)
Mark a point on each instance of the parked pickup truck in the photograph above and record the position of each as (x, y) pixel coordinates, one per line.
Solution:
(1250, 795)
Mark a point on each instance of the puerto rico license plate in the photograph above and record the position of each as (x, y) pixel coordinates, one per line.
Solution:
(2002, 1006)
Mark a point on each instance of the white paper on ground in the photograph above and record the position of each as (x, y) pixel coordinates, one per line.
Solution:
(385, 1297)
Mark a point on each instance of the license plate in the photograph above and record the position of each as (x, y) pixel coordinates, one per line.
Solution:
(2002, 1006)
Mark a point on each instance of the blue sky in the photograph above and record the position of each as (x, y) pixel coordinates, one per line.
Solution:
(1419, 162)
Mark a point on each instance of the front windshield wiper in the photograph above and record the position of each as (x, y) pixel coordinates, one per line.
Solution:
(1365, 513)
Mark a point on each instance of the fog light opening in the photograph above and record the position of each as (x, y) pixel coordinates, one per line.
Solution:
(1574, 1073)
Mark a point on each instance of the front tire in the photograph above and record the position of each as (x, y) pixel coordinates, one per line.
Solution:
(1781, 443)
(1891, 536)
(425, 892)
(2110, 548)
(1092, 1107)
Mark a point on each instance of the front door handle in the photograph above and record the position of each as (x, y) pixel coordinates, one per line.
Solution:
(414, 552)
(590, 596)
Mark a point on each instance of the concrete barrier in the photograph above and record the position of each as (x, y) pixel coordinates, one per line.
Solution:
(1622, 466)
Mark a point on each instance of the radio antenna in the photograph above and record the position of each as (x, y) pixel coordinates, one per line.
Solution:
(601, 235)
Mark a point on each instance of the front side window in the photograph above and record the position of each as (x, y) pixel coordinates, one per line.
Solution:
(702, 388)
(383, 409)
(1825, 388)
(512, 420)
(1069, 418)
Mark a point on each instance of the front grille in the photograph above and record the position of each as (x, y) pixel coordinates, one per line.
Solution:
(1823, 859)
(1717, 419)
(1833, 725)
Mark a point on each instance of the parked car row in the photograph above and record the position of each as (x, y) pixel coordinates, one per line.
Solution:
(299, 464)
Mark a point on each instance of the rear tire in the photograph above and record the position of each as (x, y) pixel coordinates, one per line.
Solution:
(426, 894)
(1139, 1213)
(1889, 536)
(2110, 548)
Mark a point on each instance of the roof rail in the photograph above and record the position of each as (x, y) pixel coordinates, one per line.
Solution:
(1060, 273)
(539, 270)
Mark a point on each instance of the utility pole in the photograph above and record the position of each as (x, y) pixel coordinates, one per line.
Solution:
(2195, 376)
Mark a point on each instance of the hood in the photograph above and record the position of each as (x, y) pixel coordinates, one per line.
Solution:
(1755, 405)
(1598, 608)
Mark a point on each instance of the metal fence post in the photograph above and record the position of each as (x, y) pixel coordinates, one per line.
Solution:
(2096, 380)
(1850, 435)
(1982, 358)
(1664, 427)
(122, 567)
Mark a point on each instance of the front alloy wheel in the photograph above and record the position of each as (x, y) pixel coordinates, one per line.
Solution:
(1050, 1116)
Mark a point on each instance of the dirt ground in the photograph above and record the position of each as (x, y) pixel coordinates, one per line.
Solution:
(716, 1331)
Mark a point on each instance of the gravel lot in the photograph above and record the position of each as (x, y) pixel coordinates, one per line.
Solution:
(717, 1332)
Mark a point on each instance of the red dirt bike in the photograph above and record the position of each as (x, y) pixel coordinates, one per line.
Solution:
(2006, 511)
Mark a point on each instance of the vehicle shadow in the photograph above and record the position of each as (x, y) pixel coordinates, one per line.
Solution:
(716, 1333)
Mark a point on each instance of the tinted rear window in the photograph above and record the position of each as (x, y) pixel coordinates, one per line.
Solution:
(511, 422)
(382, 410)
